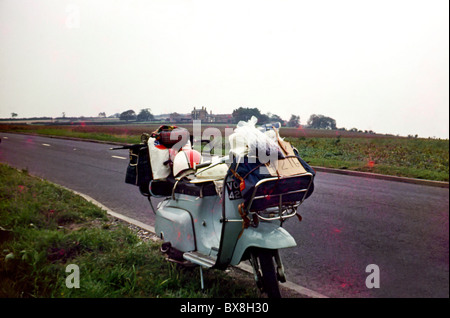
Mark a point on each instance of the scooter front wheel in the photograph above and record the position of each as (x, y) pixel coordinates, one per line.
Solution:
(265, 274)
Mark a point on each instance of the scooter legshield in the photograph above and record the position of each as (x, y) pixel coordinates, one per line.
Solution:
(266, 235)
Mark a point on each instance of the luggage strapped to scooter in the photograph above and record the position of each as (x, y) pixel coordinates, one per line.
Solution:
(141, 172)
(247, 175)
(169, 136)
(270, 191)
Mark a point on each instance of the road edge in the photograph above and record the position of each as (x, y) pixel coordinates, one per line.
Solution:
(371, 175)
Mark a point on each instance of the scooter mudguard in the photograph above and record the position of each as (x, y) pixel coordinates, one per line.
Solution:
(266, 235)
(175, 225)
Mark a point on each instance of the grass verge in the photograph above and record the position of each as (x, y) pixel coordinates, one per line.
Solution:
(404, 157)
(44, 228)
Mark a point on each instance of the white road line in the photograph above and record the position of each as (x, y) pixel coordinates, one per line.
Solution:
(46, 145)
(119, 157)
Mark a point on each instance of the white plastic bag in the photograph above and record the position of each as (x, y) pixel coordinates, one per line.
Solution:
(158, 155)
(249, 140)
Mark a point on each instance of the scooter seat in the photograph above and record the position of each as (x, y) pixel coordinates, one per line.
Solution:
(184, 186)
(162, 187)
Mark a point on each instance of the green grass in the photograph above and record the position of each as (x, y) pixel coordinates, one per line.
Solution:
(408, 157)
(44, 228)
(86, 135)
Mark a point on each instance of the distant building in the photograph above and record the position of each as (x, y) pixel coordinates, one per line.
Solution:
(198, 114)
(180, 118)
(203, 115)
(223, 118)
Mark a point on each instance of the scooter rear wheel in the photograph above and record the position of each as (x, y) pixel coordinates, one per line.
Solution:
(267, 274)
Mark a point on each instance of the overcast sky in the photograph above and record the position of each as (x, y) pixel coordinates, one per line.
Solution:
(374, 65)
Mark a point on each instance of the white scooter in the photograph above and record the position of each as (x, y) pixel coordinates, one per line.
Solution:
(220, 213)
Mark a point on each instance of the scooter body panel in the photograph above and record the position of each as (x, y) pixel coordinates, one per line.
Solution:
(266, 235)
(175, 225)
(203, 225)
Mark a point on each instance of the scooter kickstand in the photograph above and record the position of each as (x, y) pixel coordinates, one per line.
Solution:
(201, 278)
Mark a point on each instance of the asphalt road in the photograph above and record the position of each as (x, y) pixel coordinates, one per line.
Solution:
(348, 223)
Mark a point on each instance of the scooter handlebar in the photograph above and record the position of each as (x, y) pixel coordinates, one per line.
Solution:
(203, 165)
(208, 163)
(135, 146)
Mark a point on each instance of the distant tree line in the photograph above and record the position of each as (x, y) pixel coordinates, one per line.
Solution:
(144, 115)
(239, 114)
(245, 113)
(321, 122)
(315, 121)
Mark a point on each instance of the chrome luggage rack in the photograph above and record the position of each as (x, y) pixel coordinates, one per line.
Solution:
(283, 208)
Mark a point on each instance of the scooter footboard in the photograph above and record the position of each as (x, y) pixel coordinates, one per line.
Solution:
(266, 235)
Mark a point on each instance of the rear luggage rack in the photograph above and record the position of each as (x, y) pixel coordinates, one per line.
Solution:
(277, 198)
